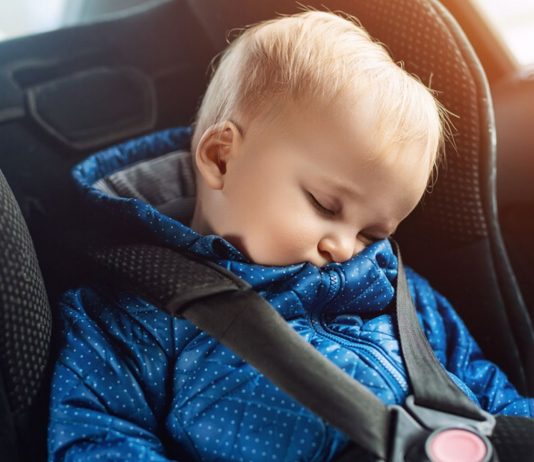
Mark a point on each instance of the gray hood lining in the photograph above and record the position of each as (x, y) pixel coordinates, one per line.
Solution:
(166, 182)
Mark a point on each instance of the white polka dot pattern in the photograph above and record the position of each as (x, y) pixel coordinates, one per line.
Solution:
(136, 383)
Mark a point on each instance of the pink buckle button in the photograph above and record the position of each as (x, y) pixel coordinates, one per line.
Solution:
(456, 445)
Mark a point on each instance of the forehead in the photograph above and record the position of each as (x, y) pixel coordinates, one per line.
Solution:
(348, 134)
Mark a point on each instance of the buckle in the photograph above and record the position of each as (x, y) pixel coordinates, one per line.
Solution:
(421, 434)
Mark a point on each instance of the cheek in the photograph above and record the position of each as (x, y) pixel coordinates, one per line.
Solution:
(268, 217)
(280, 237)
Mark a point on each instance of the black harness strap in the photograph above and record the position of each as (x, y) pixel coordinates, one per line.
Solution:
(227, 308)
(431, 385)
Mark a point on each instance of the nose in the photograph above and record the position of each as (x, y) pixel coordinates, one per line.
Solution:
(339, 248)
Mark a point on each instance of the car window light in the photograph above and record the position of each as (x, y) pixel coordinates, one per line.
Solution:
(514, 21)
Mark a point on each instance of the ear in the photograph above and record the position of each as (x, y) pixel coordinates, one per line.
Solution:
(217, 146)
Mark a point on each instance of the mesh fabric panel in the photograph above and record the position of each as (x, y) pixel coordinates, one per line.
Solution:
(415, 32)
(513, 438)
(25, 318)
(165, 277)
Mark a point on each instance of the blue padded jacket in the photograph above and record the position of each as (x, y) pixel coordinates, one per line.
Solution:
(133, 383)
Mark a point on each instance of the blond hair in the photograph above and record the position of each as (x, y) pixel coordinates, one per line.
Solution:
(316, 56)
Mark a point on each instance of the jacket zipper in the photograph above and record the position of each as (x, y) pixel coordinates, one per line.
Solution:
(369, 350)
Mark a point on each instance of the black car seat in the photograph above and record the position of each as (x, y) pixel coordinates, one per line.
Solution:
(66, 93)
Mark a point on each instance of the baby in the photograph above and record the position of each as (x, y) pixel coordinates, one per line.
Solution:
(310, 147)
(310, 142)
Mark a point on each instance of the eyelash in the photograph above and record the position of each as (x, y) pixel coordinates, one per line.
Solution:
(320, 207)
(331, 213)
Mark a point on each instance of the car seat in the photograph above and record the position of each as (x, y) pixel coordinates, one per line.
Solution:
(67, 93)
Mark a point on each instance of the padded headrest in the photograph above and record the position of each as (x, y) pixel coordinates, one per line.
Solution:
(122, 104)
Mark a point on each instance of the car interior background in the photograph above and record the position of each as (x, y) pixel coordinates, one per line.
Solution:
(67, 93)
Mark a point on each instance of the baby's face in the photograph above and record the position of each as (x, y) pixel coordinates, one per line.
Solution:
(309, 186)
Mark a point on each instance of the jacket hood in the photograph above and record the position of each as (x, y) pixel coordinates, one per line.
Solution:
(144, 190)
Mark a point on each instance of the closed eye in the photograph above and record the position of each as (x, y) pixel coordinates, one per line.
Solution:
(320, 207)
